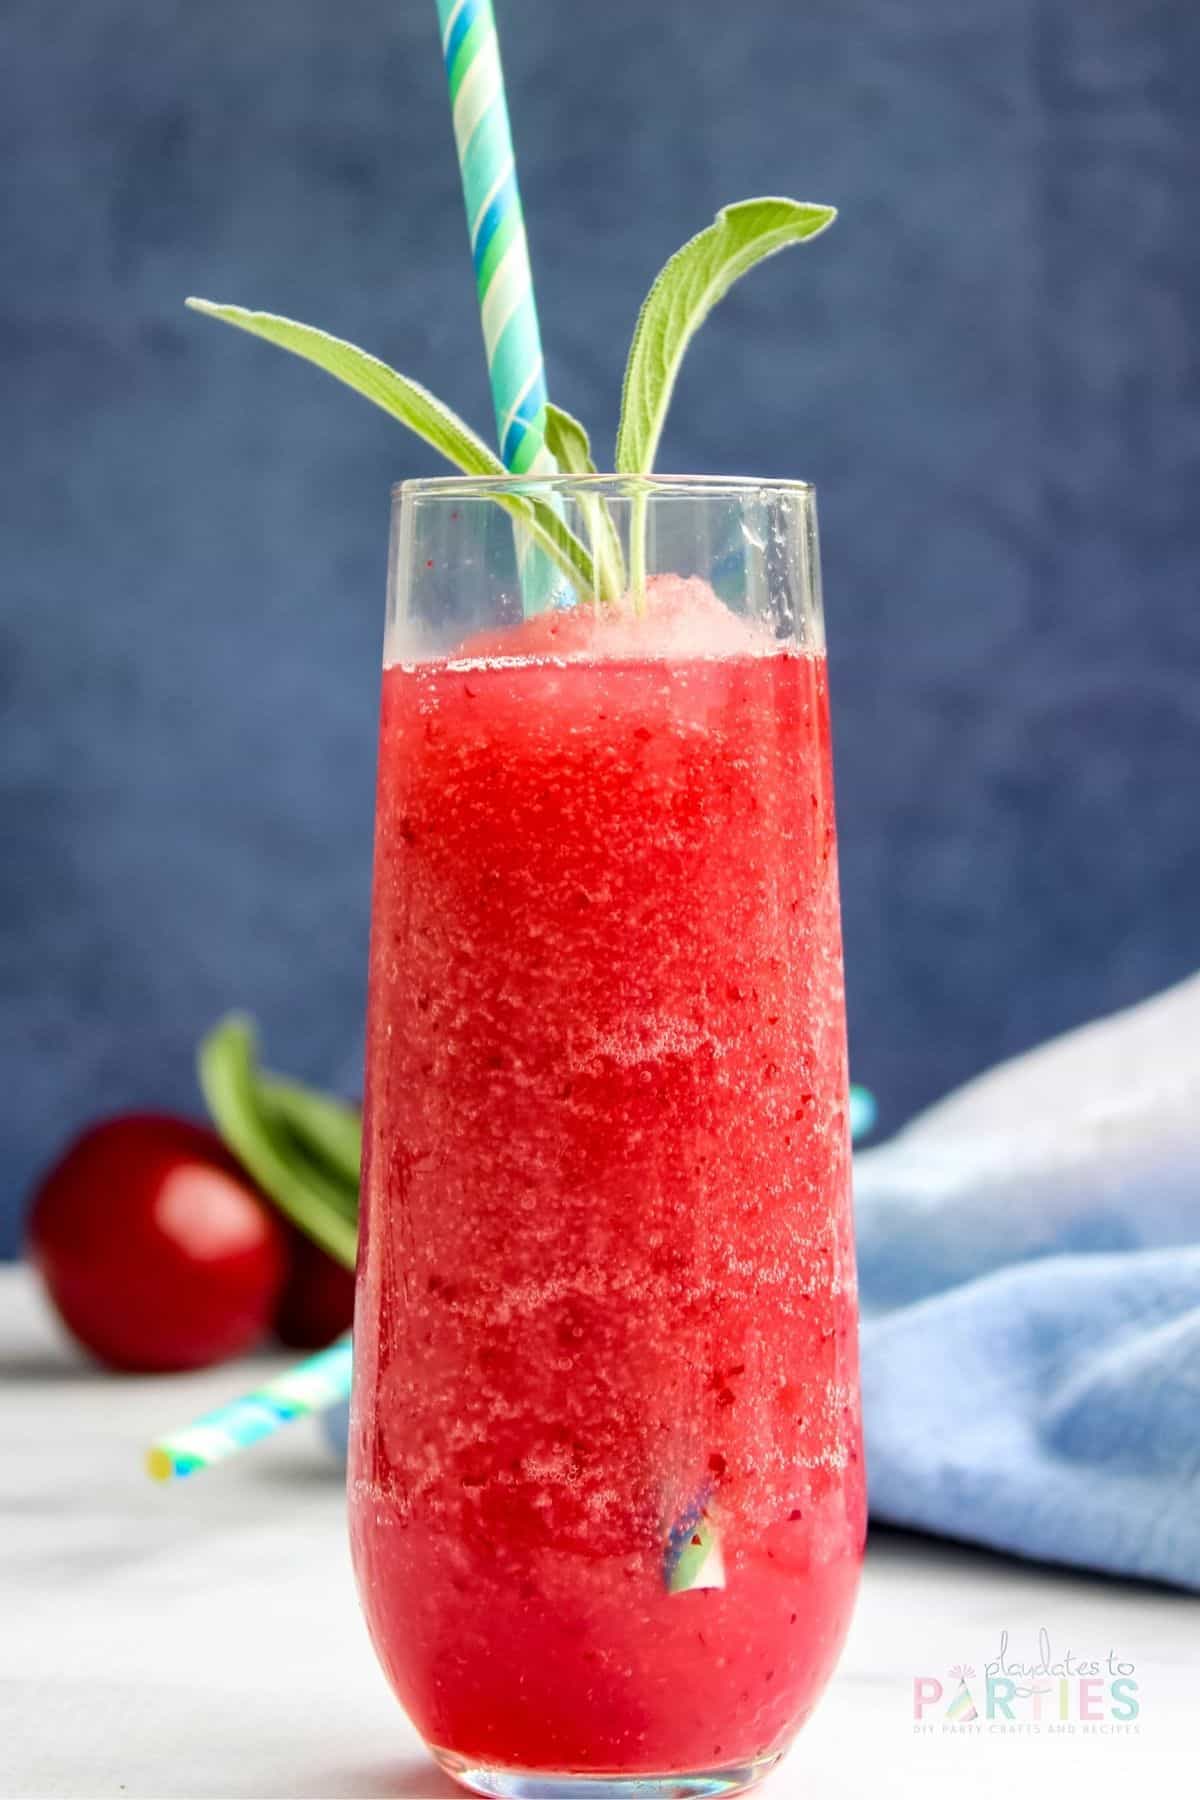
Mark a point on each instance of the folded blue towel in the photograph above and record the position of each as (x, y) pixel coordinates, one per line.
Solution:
(1029, 1271)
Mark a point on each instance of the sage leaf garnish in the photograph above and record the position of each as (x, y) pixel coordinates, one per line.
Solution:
(313, 1200)
(568, 444)
(688, 288)
(685, 292)
(423, 413)
(327, 1131)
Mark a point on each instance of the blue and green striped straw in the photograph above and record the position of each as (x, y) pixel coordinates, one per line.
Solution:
(319, 1382)
(503, 279)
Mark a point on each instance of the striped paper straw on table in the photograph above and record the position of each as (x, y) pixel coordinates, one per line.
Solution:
(503, 277)
(321, 1381)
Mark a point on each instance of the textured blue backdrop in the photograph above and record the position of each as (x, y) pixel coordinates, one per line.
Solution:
(989, 367)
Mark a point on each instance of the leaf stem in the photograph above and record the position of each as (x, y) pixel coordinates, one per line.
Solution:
(638, 520)
(555, 537)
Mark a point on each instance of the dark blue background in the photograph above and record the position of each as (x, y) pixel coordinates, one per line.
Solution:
(990, 368)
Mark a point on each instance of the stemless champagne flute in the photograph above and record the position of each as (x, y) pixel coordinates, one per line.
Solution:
(606, 1485)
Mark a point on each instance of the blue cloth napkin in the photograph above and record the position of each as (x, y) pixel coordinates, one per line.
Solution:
(1029, 1272)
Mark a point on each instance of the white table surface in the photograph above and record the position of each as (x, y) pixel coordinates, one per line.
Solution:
(205, 1640)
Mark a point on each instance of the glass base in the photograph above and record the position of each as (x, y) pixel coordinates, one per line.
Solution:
(522, 1784)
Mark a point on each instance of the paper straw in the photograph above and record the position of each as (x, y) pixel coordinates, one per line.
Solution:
(319, 1382)
(503, 278)
(863, 1111)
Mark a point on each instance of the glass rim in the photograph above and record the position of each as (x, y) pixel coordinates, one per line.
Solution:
(483, 487)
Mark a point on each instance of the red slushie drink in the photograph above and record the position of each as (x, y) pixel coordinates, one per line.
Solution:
(607, 1492)
(607, 1497)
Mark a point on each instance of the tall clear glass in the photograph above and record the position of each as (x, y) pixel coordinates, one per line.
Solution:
(606, 1484)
